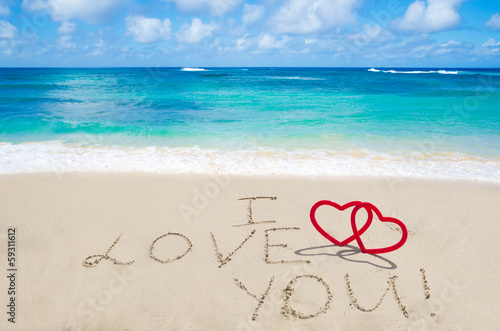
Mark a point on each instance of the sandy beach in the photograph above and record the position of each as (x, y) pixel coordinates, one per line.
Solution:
(249, 165)
(137, 251)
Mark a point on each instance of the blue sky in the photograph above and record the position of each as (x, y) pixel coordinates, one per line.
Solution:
(179, 33)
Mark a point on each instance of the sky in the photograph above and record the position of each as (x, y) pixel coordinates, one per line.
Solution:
(245, 33)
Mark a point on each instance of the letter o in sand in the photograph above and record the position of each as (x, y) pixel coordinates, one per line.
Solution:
(287, 309)
(178, 257)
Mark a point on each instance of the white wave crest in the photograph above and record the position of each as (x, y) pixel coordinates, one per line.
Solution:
(443, 72)
(294, 78)
(193, 69)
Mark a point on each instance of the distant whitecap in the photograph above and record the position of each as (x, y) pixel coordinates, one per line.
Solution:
(443, 72)
(193, 69)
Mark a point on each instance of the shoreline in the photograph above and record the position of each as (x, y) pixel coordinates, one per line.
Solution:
(57, 157)
(251, 176)
(64, 219)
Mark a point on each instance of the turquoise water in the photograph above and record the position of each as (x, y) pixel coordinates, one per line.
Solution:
(300, 112)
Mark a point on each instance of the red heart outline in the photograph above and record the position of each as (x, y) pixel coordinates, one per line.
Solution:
(335, 205)
(368, 206)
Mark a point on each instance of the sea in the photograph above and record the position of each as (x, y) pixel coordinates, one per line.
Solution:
(404, 122)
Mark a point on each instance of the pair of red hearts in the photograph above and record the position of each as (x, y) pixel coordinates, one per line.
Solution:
(370, 209)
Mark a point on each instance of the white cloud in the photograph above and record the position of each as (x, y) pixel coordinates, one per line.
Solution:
(7, 30)
(216, 7)
(450, 43)
(310, 41)
(268, 41)
(194, 33)
(4, 10)
(371, 33)
(422, 51)
(99, 48)
(491, 47)
(6, 47)
(448, 47)
(430, 16)
(148, 30)
(494, 22)
(65, 42)
(91, 11)
(252, 13)
(491, 42)
(304, 16)
(66, 28)
(8, 38)
(40, 51)
(243, 43)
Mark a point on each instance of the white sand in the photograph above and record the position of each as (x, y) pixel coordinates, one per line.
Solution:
(61, 219)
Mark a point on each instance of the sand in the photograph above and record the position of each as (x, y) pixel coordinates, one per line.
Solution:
(166, 252)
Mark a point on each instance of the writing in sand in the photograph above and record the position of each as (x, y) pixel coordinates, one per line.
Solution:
(287, 309)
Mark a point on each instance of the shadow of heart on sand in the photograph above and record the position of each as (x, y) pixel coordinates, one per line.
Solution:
(347, 254)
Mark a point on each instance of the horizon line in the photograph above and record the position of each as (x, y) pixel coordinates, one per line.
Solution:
(239, 67)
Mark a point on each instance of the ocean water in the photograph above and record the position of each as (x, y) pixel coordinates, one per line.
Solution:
(412, 122)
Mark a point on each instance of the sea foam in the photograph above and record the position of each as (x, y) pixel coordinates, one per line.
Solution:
(443, 72)
(55, 156)
(193, 69)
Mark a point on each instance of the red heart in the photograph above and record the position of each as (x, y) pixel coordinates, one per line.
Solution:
(339, 207)
(369, 207)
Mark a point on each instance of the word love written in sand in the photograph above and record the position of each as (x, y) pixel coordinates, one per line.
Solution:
(94, 260)
(370, 209)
